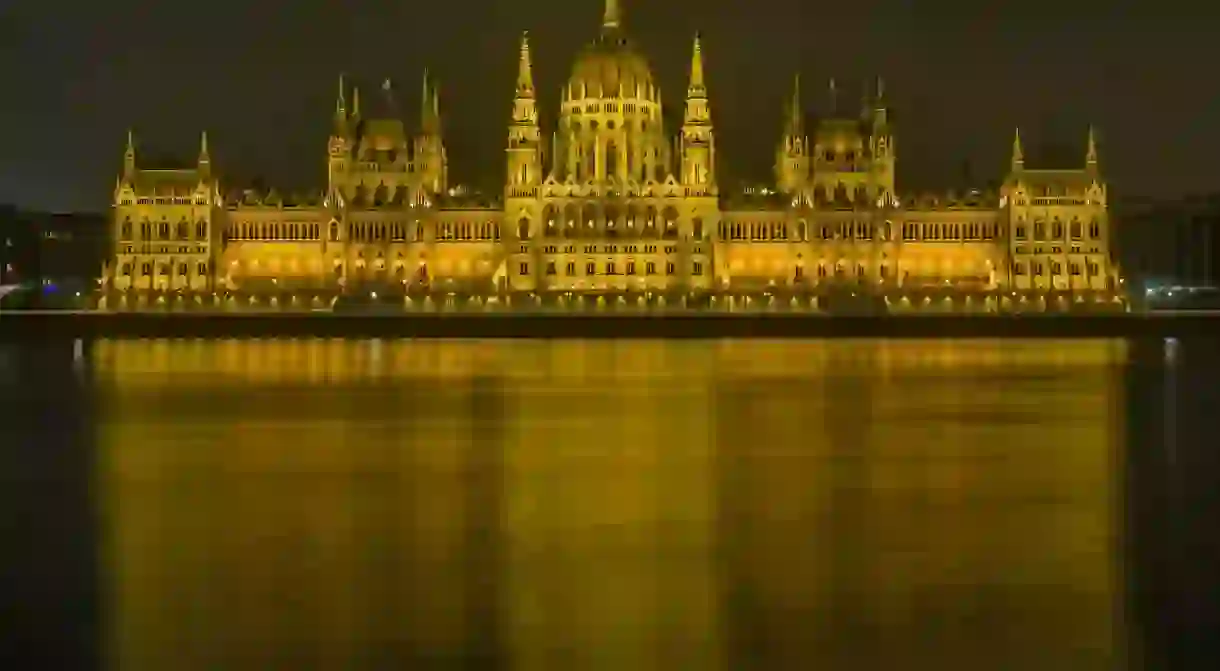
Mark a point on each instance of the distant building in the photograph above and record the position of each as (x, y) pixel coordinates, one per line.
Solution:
(611, 201)
(50, 253)
(1173, 242)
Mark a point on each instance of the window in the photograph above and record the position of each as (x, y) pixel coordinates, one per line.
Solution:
(1018, 268)
(571, 268)
(125, 233)
(1057, 230)
(669, 268)
(590, 268)
(610, 269)
(697, 269)
(1020, 234)
(202, 269)
(146, 269)
(1039, 230)
(525, 268)
(126, 270)
(1074, 268)
(1056, 268)
(1094, 230)
(650, 268)
(800, 272)
(631, 267)
(182, 269)
(550, 268)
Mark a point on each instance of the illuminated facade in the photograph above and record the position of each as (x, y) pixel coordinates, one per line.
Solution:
(611, 201)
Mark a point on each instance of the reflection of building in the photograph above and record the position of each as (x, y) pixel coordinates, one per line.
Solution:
(610, 200)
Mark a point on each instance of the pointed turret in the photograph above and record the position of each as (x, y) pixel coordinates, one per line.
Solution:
(129, 155)
(697, 87)
(355, 103)
(792, 161)
(524, 136)
(1018, 154)
(698, 141)
(1090, 156)
(341, 101)
(430, 156)
(794, 120)
(612, 18)
(205, 157)
(525, 71)
(834, 98)
(430, 112)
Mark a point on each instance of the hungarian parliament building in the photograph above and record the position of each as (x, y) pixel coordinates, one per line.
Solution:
(610, 203)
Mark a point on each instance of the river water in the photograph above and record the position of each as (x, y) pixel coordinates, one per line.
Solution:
(345, 504)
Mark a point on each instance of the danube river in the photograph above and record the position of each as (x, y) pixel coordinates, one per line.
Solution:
(357, 504)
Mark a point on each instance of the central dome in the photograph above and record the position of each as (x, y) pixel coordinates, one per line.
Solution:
(610, 64)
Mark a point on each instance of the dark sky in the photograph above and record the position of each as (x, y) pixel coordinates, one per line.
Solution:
(261, 77)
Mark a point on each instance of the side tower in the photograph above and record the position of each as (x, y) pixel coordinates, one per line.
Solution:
(431, 159)
(1059, 225)
(791, 157)
(165, 227)
(524, 163)
(881, 145)
(698, 140)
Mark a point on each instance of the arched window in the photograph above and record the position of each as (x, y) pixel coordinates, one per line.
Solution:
(523, 229)
(125, 229)
(697, 228)
(611, 159)
(334, 231)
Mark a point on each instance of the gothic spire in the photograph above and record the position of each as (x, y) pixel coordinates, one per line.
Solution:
(612, 18)
(1090, 157)
(341, 99)
(697, 87)
(426, 102)
(1018, 155)
(525, 74)
(796, 118)
(129, 155)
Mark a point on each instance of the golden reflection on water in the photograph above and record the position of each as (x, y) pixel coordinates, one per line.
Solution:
(643, 505)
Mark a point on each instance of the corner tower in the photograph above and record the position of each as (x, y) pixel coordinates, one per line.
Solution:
(524, 136)
(698, 143)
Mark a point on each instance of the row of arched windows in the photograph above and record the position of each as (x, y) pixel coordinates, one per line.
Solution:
(163, 230)
(297, 231)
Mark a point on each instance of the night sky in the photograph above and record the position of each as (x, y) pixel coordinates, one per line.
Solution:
(261, 78)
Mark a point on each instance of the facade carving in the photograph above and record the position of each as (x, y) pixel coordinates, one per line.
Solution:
(611, 201)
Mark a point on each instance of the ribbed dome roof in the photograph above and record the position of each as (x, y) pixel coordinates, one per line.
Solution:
(608, 63)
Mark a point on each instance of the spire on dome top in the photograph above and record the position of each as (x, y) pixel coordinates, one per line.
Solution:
(1090, 157)
(341, 100)
(612, 18)
(204, 156)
